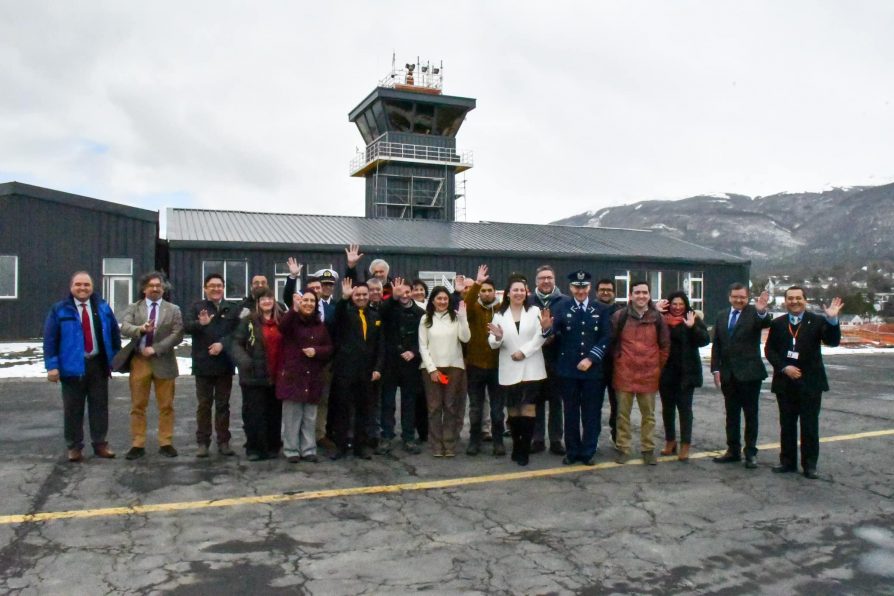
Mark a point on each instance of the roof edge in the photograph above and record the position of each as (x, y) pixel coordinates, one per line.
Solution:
(71, 199)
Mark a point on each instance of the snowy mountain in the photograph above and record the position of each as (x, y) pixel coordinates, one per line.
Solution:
(841, 226)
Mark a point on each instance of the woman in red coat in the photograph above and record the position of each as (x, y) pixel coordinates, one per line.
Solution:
(306, 347)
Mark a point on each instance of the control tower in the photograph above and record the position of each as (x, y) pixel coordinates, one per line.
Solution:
(410, 162)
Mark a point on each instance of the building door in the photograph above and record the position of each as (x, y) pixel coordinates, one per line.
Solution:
(119, 293)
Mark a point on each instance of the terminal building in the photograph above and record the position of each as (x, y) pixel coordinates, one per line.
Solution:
(409, 166)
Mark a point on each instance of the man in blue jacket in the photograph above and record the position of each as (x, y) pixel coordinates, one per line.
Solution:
(583, 332)
(80, 339)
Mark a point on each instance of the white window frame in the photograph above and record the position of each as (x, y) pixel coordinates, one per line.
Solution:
(105, 271)
(696, 302)
(625, 278)
(655, 289)
(15, 277)
(223, 273)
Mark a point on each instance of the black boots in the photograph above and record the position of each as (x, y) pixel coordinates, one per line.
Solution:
(522, 429)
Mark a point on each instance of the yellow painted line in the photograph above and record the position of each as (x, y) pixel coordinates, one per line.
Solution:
(370, 490)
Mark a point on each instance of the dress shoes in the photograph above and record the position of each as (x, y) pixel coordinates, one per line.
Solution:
(363, 453)
(590, 461)
(684, 452)
(649, 458)
(75, 455)
(538, 447)
(670, 448)
(135, 453)
(780, 469)
(620, 457)
(727, 458)
(293, 459)
(557, 448)
(568, 460)
(750, 462)
(499, 450)
(224, 449)
(312, 458)
(104, 452)
(167, 451)
(810, 473)
(202, 451)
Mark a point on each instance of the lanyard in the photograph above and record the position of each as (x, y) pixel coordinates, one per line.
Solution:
(794, 334)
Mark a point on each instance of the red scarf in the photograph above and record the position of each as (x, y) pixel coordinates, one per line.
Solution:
(673, 320)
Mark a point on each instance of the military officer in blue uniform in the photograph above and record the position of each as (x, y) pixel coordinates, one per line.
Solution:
(582, 333)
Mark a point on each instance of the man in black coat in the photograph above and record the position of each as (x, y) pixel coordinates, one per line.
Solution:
(357, 365)
(799, 378)
(738, 369)
(400, 320)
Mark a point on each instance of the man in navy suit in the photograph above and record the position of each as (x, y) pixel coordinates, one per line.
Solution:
(738, 369)
(799, 377)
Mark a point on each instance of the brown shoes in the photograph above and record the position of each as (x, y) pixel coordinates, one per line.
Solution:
(670, 447)
(75, 455)
(104, 452)
(684, 452)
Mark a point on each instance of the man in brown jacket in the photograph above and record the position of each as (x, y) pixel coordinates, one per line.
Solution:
(641, 345)
(481, 364)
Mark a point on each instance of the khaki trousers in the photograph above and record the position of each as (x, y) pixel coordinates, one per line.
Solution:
(446, 409)
(141, 381)
(646, 403)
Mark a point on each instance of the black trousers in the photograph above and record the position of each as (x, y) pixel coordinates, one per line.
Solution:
(261, 419)
(351, 405)
(479, 381)
(676, 398)
(796, 405)
(551, 394)
(741, 397)
(92, 391)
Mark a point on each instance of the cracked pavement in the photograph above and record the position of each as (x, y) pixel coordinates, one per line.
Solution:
(674, 528)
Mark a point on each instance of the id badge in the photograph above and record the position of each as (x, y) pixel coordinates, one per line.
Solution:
(792, 355)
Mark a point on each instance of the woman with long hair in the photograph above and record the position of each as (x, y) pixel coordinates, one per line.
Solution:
(516, 332)
(306, 347)
(441, 333)
(682, 373)
(256, 347)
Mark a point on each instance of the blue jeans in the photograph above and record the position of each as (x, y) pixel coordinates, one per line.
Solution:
(582, 401)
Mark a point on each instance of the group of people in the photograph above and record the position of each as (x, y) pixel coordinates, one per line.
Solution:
(323, 367)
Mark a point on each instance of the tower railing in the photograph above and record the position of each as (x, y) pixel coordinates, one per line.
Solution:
(383, 150)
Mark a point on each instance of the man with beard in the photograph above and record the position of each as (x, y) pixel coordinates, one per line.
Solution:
(248, 305)
(547, 296)
(481, 365)
(605, 294)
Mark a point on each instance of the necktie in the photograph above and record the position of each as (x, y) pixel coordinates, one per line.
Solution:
(732, 321)
(362, 322)
(794, 320)
(85, 327)
(152, 314)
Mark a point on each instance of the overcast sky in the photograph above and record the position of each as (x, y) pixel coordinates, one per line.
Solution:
(243, 105)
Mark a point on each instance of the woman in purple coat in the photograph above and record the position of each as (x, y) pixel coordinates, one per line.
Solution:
(305, 349)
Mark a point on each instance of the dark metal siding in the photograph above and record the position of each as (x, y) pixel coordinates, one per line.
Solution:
(53, 240)
(186, 268)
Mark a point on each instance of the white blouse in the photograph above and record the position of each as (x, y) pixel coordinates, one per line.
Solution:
(439, 345)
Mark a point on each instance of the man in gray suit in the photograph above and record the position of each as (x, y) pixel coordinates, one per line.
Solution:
(155, 327)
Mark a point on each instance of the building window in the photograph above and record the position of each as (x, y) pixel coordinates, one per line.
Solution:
(117, 282)
(622, 286)
(280, 276)
(235, 274)
(437, 278)
(9, 277)
(694, 286)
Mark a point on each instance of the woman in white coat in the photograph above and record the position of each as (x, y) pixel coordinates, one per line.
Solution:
(517, 333)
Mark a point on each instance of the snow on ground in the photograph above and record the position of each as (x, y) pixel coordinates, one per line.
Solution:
(25, 359)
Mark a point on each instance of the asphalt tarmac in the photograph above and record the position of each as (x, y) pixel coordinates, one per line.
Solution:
(229, 526)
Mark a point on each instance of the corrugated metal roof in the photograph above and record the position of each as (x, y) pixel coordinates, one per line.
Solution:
(199, 227)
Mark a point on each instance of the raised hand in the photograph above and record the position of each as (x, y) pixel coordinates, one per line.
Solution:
(397, 282)
(204, 318)
(496, 331)
(482, 274)
(662, 305)
(461, 310)
(762, 301)
(294, 267)
(347, 288)
(353, 255)
(690, 319)
(833, 309)
(546, 320)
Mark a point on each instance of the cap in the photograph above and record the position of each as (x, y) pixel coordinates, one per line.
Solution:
(580, 278)
(326, 276)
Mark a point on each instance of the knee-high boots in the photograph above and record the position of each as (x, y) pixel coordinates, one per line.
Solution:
(522, 429)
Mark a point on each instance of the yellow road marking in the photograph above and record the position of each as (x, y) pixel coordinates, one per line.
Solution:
(370, 490)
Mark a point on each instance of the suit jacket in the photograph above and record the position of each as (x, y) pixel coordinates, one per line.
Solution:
(168, 334)
(581, 333)
(738, 354)
(356, 357)
(527, 339)
(813, 331)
